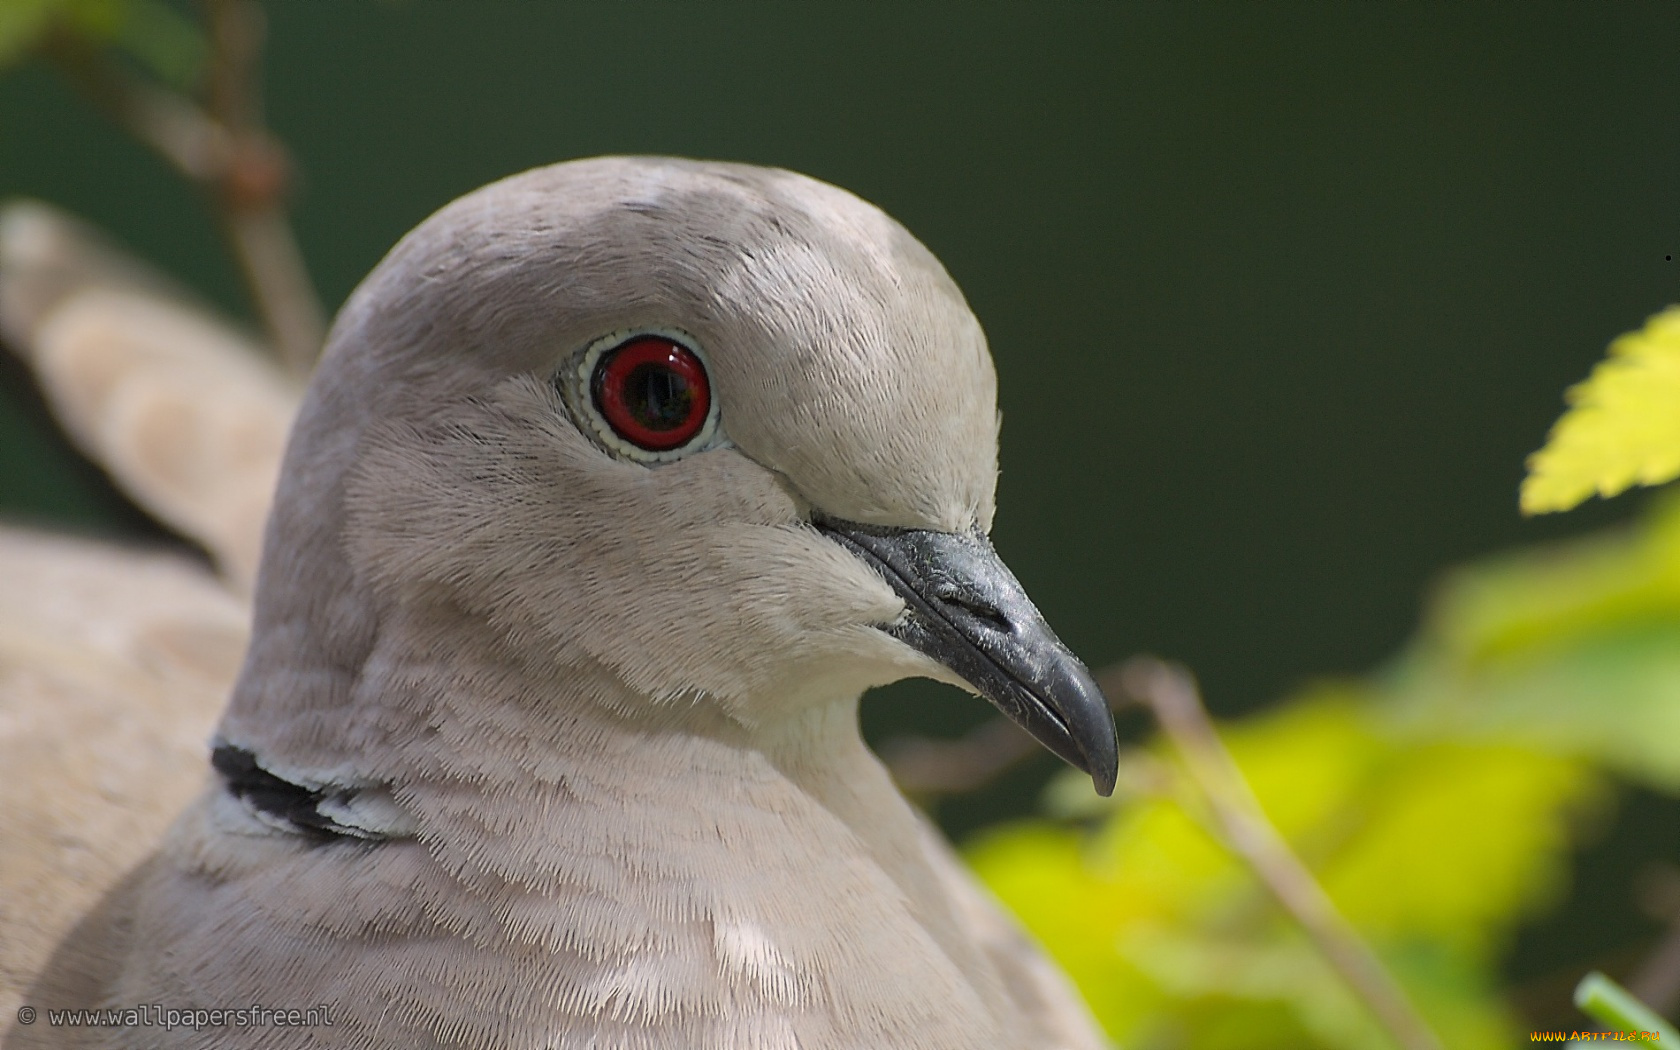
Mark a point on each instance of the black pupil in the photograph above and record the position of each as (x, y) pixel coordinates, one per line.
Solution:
(659, 397)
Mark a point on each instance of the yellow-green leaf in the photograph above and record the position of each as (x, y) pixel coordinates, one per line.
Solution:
(1622, 427)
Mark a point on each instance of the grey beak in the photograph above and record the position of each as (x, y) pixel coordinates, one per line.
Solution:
(967, 610)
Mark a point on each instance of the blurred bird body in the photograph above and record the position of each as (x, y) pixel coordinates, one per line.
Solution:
(544, 740)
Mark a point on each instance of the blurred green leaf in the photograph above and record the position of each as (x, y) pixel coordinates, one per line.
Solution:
(164, 42)
(22, 25)
(172, 47)
(1574, 648)
(1434, 848)
(97, 21)
(1535, 601)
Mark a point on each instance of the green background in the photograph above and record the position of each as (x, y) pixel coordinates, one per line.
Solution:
(1280, 296)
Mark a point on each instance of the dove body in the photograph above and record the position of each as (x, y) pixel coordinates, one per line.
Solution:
(547, 735)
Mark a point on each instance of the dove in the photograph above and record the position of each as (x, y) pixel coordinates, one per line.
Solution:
(617, 485)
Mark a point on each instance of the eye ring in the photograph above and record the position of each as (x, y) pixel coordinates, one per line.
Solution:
(645, 395)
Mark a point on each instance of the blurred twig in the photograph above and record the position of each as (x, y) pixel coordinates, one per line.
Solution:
(924, 767)
(227, 151)
(929, 767)
(1170, 693)
(253, 189)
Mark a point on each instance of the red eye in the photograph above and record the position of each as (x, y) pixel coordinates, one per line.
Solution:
(653, 391)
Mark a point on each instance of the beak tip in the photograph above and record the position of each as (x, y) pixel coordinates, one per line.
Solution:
(1105, 765)
(1093, 734)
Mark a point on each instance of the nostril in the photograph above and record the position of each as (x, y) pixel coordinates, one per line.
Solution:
(975, 606)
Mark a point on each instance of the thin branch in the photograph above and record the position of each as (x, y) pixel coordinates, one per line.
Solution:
(241, 165)
(254, 187)
(932, 767)
(1171, 694)
(169, 123)
(928, 767)
(237, 31)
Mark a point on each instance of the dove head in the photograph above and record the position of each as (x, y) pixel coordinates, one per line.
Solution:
(637, 421)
